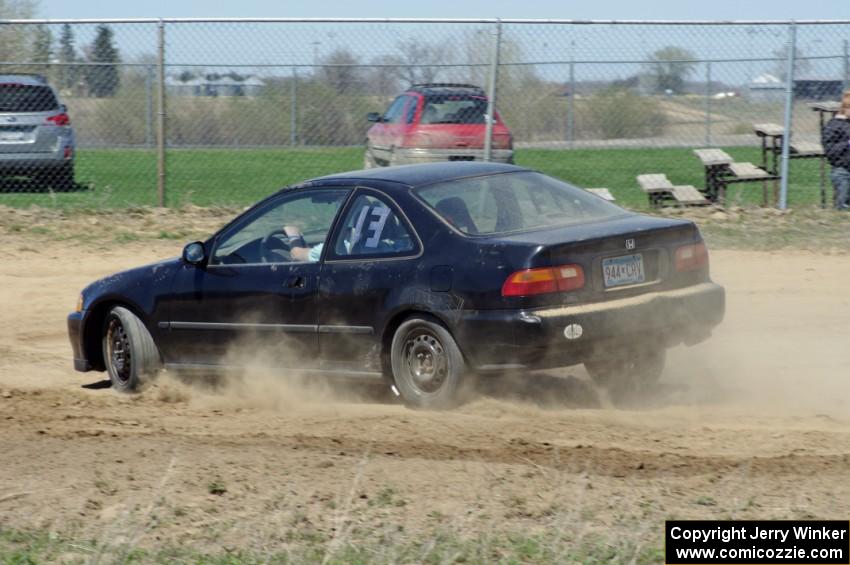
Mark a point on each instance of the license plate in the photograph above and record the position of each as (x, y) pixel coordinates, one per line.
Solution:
(623, 270)
(12, 136)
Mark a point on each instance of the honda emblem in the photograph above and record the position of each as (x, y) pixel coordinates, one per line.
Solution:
(630, 244)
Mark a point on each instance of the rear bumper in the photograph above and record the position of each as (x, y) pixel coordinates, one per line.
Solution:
(76, 322)
(422, 155)
(537, 338)
(22, 161)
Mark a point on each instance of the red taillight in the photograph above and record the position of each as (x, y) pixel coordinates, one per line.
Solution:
(544, 281)
(59, 120)
(503, 141)
(691, 257)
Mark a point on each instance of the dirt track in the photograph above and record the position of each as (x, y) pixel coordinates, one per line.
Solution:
(754, 423)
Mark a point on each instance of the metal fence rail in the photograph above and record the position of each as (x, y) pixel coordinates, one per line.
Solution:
(222, 111)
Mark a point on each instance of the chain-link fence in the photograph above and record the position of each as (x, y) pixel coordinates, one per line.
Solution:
(223, 112)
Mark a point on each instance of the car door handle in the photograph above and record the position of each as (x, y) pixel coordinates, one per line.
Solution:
(296, 281)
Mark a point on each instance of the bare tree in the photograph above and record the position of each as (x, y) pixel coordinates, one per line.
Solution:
(668, 68)
(802, 66)
(416, 61)
(16, 40)
(341, 71)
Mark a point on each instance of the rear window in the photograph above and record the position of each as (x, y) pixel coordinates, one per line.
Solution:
(454, 109)
(514, 202)
(26, 98)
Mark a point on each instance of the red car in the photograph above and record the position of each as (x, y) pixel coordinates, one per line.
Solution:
(435, 122)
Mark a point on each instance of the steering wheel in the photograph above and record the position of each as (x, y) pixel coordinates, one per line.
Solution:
(274, 241)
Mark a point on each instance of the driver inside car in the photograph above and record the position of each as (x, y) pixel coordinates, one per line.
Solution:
(298, 248)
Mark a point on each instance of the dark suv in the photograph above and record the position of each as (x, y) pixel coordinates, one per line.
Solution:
(36, 138)
(436, 122)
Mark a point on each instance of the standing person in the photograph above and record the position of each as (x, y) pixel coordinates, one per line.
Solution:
(836, 145)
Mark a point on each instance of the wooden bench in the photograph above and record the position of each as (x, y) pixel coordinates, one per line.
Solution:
(713, 157)
(748, 171)
(602, 193)
(688, 195)
(806, 148)
(721, 170)
(796, 149)
(659, 189)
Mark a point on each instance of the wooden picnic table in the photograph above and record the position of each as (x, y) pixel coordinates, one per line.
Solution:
(775, 133)
(830, 107)
(721, 170)
(659, 189)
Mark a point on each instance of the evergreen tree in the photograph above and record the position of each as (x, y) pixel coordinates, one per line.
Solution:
(68, 74)
(102, 77)
(42, 48)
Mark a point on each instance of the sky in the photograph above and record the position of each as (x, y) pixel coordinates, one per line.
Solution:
(601, 51)
(597, 9)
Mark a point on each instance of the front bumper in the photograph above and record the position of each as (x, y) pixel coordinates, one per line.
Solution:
(537, 338)
(427, 155)
(76, 322)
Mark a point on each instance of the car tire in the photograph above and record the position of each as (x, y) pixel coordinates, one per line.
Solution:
(369, 161)
(428, 368)
(63, 178)
(129, 352)
(629, 375)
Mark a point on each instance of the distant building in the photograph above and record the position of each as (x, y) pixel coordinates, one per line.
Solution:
(767, 88)
(811, 88)
(213, 86)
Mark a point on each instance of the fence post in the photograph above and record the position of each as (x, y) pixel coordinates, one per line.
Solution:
(149, 72)
(293, 108)
(789, 106)
(491, 95)
(572, 95)
(708, 103)
(160, 123)
(846, 78)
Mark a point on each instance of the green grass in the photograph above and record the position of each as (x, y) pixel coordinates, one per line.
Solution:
(17, 547)
(117, 178)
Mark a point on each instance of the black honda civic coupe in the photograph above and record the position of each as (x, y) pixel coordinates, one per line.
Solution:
(422, 275)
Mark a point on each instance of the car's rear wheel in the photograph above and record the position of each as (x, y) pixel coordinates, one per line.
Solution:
(428, 367)
(63, 179)
(129, 352)
(629, 374)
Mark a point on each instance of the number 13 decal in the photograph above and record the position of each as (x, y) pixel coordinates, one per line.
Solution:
(378, 219)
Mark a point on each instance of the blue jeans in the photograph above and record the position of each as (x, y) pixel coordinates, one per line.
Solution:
(841, 183)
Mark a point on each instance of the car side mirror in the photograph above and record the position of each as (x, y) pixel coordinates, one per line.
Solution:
(194, 253)
(374, 117)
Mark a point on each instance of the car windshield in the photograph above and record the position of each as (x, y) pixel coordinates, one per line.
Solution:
(454, 109)
(26, 98)
(512, 202)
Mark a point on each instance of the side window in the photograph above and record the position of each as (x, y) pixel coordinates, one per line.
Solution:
(290, 229)
(393, 113)
(371, 228)
(411, 109)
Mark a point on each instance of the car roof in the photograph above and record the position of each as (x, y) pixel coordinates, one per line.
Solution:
(31, 80)
(445, 88)
(419, 175)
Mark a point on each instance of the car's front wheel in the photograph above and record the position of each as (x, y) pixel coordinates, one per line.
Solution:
(369, 161)
(129, 352)
(428, 367)
(628, 374)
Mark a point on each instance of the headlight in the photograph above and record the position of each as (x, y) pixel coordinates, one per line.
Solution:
(80, 303)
